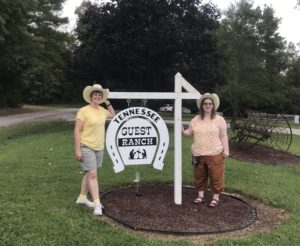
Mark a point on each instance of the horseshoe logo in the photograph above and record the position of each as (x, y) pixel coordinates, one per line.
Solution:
(137, 136)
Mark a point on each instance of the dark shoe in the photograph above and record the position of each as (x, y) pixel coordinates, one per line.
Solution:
(199, 199)
(214, 203)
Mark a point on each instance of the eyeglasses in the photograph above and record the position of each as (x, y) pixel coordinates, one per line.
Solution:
(207, 104)
(99, 94)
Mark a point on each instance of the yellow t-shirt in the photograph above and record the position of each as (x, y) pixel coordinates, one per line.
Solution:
(93, 131)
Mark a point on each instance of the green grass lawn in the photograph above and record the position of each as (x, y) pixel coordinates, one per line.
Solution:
(40, 180)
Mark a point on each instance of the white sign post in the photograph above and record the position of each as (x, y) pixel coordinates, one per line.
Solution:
(178, 95)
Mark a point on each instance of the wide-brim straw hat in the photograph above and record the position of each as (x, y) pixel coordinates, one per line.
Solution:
(88, 90)
(214, 97)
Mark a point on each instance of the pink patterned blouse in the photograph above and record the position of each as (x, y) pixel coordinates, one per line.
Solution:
(210, 136)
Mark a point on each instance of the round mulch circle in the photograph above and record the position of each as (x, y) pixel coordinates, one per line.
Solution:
(153, 209)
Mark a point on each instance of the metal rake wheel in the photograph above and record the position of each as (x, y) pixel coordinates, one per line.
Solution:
(280, 131)
(253, 127)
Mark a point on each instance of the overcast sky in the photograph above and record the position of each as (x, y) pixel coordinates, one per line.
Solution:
(284, 9)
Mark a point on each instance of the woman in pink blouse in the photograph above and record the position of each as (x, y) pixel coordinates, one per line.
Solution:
(209, 149)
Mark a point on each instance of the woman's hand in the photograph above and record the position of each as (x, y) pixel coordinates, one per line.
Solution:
(225, 154)
(110, 109)
(79, 155)
(186, 132)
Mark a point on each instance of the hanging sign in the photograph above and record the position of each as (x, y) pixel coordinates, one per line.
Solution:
(137, 136)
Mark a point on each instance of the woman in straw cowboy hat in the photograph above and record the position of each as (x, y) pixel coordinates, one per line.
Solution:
(89, 135)
(209, 149)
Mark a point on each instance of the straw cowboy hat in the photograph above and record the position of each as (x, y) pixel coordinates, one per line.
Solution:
(87, 92)
(214, 97)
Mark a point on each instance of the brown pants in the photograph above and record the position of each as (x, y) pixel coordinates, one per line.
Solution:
(211, 167)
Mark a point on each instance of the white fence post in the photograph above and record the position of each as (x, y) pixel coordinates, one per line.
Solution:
(177, 141)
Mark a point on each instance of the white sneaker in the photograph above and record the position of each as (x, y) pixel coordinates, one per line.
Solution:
(98, 210)
(86, 202)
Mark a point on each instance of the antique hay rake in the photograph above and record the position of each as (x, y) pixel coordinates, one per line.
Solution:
(252, 127)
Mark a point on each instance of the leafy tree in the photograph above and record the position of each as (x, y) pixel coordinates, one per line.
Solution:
(293, 81)
(32, 50)
(274, 61)
(45, 79)
(15, 45)
(255, 57)
(140, 45)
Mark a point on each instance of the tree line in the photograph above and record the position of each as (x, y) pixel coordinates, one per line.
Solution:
(139, 45)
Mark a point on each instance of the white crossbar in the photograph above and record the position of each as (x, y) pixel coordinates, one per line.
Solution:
(178, 95)
(153, 95)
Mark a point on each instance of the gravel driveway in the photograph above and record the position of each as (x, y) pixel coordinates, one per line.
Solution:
(67, 114)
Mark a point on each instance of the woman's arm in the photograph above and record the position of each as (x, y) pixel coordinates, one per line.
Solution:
(187, 132)
(77, 131)
(224, 137)
(111, 111)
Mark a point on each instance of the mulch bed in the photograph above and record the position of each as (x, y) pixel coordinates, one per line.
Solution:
(262, 154)
(155, 210)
